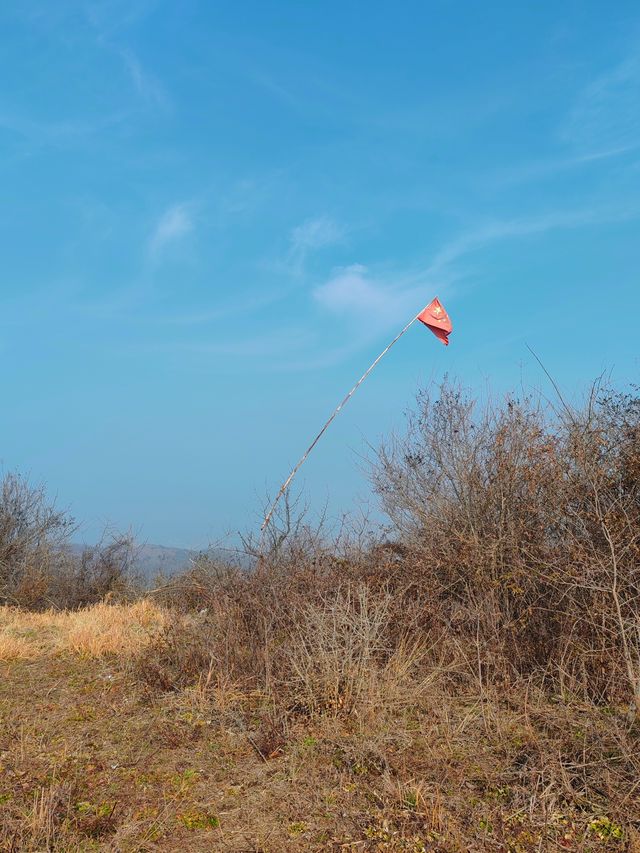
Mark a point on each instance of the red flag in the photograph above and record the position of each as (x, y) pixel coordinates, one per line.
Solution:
(436, 318)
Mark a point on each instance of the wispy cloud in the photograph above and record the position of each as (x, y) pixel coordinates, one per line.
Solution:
(601, 125)
(310, 236)
(368, 301)
(492, 232)
(356, 290)
(207, 314)
(540, 170)
(61, 133)
(353, 290)
(279, 343)
(606, 114)
(145, 84)
(174, 224)
(385, 297)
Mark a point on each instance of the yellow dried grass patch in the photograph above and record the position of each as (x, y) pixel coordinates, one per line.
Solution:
(14, 647)
(95, 631)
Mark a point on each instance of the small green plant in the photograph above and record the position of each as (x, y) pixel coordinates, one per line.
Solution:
(502, 793)
(606, 829)
(188, 775)
(84, 807)
(412, 797)
(181, 781)
(193, 820)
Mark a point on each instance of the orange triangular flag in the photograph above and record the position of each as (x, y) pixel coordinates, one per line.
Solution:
(436, 318)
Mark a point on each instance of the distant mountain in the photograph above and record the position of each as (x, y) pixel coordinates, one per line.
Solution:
(151, 560)
(154, 559)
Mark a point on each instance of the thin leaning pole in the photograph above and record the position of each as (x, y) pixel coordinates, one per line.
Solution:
(287, 482)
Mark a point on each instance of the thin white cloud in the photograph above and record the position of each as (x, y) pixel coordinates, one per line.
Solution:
(385, 298)
(499, 230)
(174, 224)
(277, 343)
(316, 233)
(537, 170)
(602, 124)
(353, 292)
(350, 289)
(146, 85)
(57, 133)
(606, 114)
(310, 236)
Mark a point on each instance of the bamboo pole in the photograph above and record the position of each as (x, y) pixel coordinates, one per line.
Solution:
(287, 482)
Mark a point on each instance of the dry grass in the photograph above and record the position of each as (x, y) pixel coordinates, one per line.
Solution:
(358, 745)
(341, 662)
(94, 631)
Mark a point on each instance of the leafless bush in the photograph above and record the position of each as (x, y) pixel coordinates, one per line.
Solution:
(38, 569)
(523, 526)
(513, 553)
(340, 659)
(32, 532)
(104, 571)
(599, 571)
(249, 614)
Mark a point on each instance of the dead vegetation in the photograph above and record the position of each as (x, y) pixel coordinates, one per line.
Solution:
(470, 682)
(38, 570)
(94, 631)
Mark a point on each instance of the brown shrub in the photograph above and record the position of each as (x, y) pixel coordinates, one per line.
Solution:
(521, 531)
(38, 569)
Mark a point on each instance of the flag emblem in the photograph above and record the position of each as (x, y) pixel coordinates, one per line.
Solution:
(437, 320)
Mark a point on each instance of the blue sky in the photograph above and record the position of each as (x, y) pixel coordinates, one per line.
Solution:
(214, 215)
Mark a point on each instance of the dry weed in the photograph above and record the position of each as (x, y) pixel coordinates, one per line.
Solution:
(341, 662)
(95, 631)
